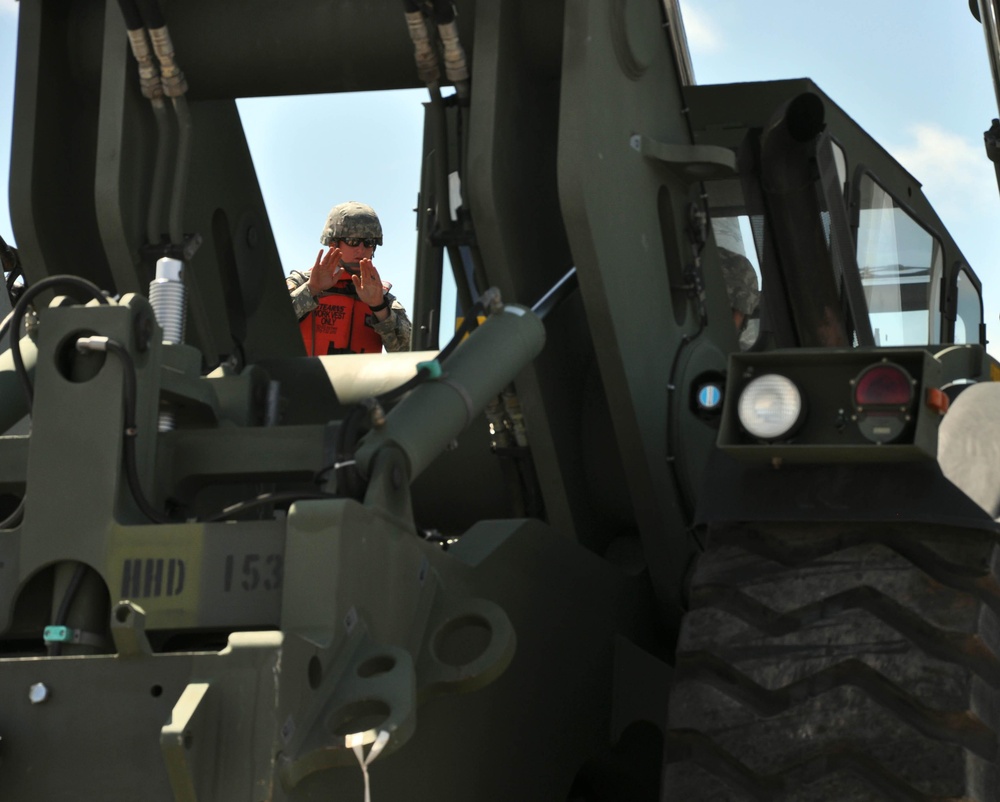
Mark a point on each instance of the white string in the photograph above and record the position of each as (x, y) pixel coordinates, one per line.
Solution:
(359, 753)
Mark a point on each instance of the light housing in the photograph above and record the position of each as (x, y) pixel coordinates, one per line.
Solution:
(829, 430)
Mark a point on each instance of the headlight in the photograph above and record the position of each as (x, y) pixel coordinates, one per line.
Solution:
(770, 407)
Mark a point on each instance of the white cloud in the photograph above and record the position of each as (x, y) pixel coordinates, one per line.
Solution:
(702, 36)
(955, 173)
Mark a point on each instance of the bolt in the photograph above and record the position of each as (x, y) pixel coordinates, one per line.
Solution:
(38, 693)
(252, 236)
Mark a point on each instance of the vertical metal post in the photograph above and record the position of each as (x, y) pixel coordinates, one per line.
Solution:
(988, 16)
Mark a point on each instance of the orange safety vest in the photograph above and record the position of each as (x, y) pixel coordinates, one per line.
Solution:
(339, 325)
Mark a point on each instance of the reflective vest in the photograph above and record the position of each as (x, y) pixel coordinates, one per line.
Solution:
(339, 325)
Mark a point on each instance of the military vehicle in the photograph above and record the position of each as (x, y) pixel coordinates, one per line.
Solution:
(698, 504)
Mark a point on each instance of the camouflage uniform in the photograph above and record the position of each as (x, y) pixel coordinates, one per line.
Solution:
(744, 297)
(353, 219)
(394, 330)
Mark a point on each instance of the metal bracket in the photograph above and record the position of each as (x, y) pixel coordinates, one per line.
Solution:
(128, 630)
(177, 737)
(697, 162)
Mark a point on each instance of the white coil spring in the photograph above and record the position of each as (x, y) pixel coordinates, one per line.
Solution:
(169, 301)
(168, 297)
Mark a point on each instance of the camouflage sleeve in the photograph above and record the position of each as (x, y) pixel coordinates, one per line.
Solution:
(741, 281)
(296, 278)
(303, 301)
(395, 329)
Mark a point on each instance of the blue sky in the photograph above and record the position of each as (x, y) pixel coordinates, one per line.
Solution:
(918, 81)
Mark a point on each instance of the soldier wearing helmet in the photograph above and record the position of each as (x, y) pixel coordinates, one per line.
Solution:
(342, 303)
(744, 297)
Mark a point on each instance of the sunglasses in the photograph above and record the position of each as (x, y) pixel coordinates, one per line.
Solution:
(354, 242)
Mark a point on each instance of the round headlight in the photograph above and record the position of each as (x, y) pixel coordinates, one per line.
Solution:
(770, 406)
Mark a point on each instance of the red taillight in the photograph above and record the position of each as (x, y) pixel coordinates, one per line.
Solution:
(884, 400)
(883, 385)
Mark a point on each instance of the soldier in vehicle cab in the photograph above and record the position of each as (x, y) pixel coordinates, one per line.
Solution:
(743, 294)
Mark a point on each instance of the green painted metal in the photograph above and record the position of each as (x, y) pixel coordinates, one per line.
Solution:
(305, 561)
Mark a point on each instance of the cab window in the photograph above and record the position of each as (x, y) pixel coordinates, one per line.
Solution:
(901, 265)
(969, 310)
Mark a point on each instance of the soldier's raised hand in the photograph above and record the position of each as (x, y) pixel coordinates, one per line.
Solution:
(327, 271)
(368, 283)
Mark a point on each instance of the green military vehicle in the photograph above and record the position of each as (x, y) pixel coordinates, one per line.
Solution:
(699, 503)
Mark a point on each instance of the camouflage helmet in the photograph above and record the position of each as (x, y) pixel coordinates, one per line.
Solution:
(351, 219)
(741, 281)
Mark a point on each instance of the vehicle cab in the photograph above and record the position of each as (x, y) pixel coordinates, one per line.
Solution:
(857, 273)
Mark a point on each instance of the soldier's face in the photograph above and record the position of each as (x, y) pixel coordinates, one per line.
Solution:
(351, 255)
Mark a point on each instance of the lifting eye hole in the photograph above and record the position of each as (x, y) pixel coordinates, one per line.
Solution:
(75, 366)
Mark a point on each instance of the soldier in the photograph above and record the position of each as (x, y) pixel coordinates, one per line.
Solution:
(744, 297)
(342, 303)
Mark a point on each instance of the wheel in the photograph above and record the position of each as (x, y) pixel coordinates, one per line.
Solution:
(825, 662)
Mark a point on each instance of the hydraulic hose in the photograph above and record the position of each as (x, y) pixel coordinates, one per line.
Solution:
(558, 293)
(456, 68)
(164, 143)
(112, 346)
(423, 50)
(181, 169)
(174, 86)
(152, 16)
(133, 19)
(152, 88)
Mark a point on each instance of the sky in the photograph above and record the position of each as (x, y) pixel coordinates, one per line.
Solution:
(914, 73)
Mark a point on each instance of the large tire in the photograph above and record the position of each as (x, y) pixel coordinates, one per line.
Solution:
(824, 663)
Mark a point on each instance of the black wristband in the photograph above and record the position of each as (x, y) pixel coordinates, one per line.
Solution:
(381, 306)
